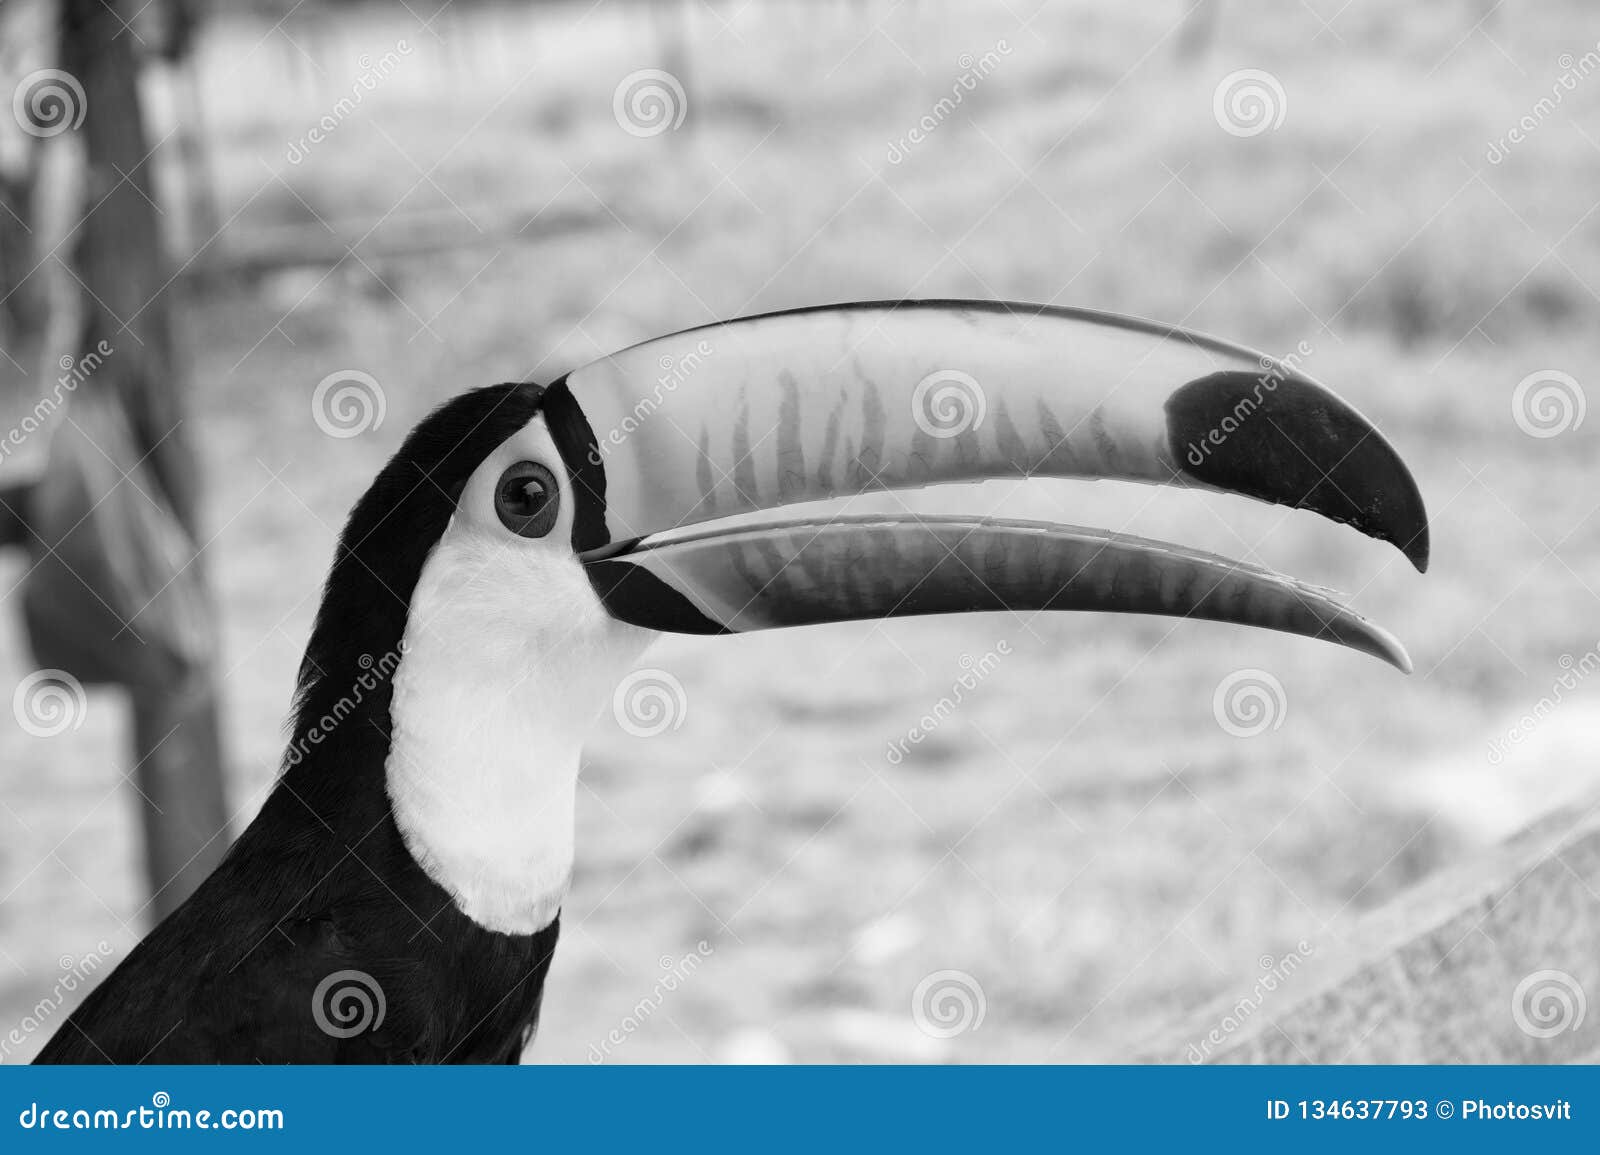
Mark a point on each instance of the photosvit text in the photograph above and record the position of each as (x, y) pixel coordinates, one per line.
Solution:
(1407, 1109)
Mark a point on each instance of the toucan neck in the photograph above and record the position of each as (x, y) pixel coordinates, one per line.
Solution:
(483, 788)
(489, 716)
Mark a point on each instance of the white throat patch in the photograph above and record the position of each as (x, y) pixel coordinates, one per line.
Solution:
(509, 659)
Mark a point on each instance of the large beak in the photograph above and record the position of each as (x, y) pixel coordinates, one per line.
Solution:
(820, 403)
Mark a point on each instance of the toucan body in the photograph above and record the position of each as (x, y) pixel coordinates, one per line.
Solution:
(397, 898)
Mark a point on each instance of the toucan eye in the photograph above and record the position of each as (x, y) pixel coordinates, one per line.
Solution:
(527, 500)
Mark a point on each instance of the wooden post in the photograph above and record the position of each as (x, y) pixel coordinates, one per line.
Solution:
(1493, 960)
(21, 305)
(27, 43)
(121, 262)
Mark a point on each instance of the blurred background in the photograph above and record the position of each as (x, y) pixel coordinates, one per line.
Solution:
(338, 214)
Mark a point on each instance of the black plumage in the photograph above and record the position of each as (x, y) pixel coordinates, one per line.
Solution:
(321, 881)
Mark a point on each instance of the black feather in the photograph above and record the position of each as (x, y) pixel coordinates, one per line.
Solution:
(321, 881)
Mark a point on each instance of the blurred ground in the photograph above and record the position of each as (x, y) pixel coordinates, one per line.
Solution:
(1081, 837)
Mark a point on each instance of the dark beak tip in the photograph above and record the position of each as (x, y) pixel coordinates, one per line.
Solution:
(1286, 440)
(1417, 550)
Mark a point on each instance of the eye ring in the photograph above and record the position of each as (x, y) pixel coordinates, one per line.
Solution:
(527, 499)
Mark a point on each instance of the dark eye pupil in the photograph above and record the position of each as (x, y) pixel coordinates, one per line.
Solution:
(526, 499)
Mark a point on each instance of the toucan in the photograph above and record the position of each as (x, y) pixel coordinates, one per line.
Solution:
(397, 897)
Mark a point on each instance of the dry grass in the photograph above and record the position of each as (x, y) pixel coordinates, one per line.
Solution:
(1081, 836)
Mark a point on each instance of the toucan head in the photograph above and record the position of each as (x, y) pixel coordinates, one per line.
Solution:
(537, 538)
(623, 488)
